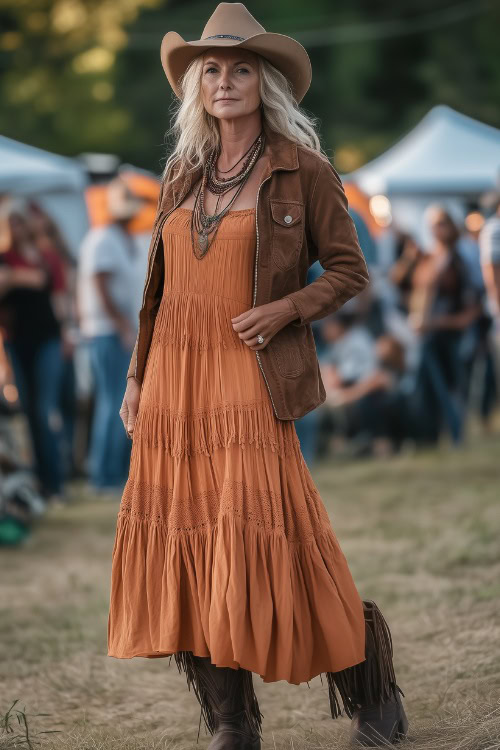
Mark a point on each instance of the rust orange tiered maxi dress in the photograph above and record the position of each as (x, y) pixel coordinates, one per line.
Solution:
(223, 545)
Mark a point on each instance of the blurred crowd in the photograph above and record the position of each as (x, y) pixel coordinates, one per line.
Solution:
(410, 358)
(403, 363)
(60, 318)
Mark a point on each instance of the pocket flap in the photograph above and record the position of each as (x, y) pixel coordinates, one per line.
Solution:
(286, 213)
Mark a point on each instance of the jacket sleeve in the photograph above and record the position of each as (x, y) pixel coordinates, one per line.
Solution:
(131, 367)
(334, 235)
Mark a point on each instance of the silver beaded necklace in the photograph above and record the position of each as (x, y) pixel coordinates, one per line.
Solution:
(203, 224)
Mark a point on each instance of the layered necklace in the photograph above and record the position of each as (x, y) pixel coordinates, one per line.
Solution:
(202, 224)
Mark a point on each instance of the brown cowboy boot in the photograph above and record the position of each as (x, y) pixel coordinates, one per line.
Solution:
(228, 702)
(368, 691)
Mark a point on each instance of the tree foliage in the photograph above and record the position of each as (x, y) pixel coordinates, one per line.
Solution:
(85, 75)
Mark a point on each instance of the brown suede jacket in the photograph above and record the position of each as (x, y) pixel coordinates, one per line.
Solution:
(302, 184)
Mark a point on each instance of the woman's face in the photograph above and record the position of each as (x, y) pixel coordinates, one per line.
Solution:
(442, 228)
(230, 82)
(18, 228)
(39, 223)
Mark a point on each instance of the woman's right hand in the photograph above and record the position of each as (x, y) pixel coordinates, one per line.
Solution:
(34, 278)
(130, 405)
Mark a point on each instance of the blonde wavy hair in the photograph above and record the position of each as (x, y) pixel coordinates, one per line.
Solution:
(195, 132)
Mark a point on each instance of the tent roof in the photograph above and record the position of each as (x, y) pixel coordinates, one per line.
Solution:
(447, 152)
(25, 170)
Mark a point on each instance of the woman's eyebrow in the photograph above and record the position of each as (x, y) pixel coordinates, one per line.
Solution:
(213, 62)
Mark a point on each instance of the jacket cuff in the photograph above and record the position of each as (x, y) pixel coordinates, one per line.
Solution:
(293, 299)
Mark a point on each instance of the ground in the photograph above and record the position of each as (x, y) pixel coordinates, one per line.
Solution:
(421, 534)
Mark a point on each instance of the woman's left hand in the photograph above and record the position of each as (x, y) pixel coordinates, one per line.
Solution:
(265, 319)
(420, 325)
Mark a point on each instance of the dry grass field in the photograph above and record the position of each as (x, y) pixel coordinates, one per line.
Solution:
(422, 536)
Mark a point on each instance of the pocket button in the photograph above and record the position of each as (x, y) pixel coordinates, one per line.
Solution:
(288, 218)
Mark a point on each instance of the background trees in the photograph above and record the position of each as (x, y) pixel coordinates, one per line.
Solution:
(85, 75)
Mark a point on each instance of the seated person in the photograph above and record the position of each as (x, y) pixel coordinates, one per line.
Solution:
(363, 378)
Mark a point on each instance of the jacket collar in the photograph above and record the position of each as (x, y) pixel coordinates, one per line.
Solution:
(283, 151)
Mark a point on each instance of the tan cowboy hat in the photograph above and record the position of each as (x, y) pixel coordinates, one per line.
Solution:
(231, 25)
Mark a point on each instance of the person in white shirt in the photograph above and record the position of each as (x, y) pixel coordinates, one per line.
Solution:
(107, 279)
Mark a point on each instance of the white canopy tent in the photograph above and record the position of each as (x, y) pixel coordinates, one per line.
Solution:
(448, 157)
(447, 153)
(57, 183)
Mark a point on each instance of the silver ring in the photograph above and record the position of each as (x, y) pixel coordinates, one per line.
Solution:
(260, 339)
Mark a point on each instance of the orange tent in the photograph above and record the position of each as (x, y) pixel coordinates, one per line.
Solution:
(360, 202)
(141, 185)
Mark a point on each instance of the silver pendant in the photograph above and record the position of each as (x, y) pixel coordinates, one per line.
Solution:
(203, 241)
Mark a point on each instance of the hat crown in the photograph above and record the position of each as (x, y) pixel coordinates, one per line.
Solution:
(231, 20)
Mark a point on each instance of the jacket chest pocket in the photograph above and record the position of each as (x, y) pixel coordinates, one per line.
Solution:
(287, 232)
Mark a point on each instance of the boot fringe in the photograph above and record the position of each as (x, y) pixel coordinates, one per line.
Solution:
(252, 710)
(185, 661)
(373, 681)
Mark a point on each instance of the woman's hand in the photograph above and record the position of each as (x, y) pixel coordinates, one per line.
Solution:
(331, 376)
(130, 405)
(69, 337)
(12, 278)
(266, 319)
(420, 325)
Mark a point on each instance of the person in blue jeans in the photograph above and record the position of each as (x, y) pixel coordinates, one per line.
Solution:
(109, 452)
(443, 304)
(32, 339)
(106, 302)
(37, 374)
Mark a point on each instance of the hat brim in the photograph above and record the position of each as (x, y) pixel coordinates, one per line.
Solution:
(285, 53)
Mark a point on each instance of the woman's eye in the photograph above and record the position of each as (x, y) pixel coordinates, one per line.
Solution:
(245, 70)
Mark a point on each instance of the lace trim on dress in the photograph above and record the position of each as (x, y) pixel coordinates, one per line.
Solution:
(265, 510)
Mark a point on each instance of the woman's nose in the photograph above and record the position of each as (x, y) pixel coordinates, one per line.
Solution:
(224, 80)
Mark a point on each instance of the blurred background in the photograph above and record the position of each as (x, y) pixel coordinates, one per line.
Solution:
(407, 95)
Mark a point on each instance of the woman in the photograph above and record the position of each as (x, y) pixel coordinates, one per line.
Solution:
(443, 304)
(31, 327)
(224, 554)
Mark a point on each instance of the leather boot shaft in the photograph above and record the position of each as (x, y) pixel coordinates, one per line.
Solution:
(228, 702)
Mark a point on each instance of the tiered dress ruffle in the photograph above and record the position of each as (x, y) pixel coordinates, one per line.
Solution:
(223, 545)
